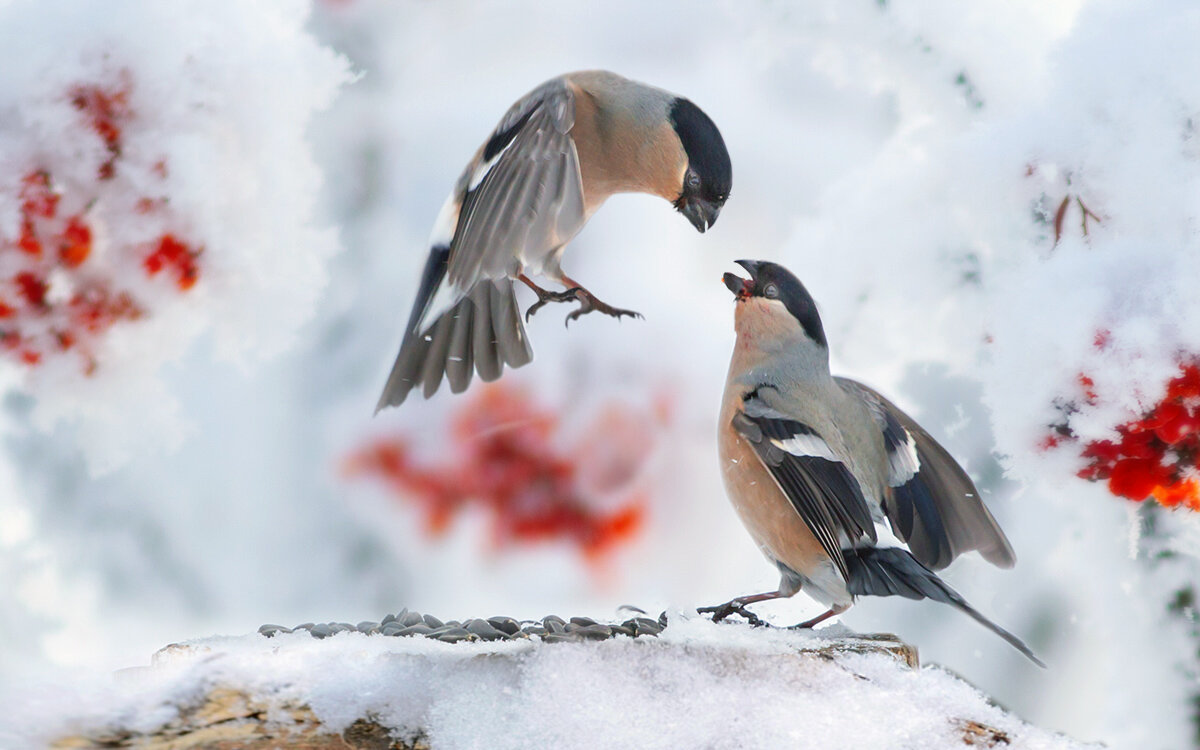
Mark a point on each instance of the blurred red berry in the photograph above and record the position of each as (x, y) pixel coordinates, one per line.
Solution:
(1139, 444)
(1187, 384)
(1185, 491)
(173, 254)
(28, 242)
(509, 460)
(1176, 430)
(37, 197)
(1165, 412)
(76, 243)
(32, 289)
(1136, 478)
(1089, 388)
(1104, 451)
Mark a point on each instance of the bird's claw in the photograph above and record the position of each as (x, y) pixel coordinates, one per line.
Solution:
(588, 303)
(735, 607)
(545, 297)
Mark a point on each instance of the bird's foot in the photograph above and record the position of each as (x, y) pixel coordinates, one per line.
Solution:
(588, 303)
(735, 607)
(545, 296)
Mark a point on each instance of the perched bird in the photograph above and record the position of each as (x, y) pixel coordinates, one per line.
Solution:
(555, 157)
(841, 490)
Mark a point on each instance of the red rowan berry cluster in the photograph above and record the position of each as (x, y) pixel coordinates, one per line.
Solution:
(55, 295)
(509, 461)
(1156, 455)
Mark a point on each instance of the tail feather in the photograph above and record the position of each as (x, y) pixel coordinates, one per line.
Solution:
(487, 354)
(510, 329)
(891, 571)
(435, 357)
(459, 357)
(481, 332)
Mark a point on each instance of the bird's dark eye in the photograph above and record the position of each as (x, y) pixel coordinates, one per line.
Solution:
(692, 180)
(770, 291)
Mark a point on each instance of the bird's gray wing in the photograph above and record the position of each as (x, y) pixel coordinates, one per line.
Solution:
(820, 487)
(518, 200)
(934, 506)
(522, 197)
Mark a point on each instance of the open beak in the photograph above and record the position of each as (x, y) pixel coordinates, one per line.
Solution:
(742, 288)
(701, 213)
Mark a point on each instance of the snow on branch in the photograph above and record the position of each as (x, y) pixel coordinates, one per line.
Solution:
(155, 183)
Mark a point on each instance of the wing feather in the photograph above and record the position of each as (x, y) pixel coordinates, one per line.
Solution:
(821, 488)
(529, 199)
(934, 506)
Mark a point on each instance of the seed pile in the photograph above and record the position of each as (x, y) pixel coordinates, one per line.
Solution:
(551, 629)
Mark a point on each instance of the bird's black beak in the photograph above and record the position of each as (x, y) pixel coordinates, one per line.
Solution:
(752, 266)
(742, 288)
(700, 212)
(736, 284)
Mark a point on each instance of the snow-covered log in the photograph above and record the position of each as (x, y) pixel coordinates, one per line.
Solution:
(695, 684)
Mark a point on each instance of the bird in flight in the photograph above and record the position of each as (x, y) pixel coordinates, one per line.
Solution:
(555, 157)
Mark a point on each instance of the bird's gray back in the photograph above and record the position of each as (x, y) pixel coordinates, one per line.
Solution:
(643, 105)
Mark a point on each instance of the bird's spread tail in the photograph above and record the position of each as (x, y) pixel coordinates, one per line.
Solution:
(481, 333)
(891, 571)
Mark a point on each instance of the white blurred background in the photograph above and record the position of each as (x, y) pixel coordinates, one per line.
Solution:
(898, 156)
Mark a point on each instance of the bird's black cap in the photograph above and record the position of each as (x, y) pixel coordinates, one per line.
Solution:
(705, 149)
(787, 289)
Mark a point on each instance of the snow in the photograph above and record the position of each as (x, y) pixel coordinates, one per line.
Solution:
(697, 685)
(905, 159)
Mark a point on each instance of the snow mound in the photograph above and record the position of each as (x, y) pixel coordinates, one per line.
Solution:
(697, 685)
